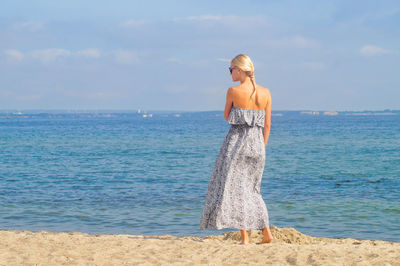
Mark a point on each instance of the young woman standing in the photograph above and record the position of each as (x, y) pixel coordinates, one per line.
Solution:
(233, 197)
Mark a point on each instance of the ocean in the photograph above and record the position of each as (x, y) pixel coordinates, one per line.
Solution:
(326, 174)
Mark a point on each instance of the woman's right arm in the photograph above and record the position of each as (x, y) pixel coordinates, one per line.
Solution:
(267, 123)
(228, 104)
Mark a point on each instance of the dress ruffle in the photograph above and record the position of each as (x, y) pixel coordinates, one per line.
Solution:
(251, 117)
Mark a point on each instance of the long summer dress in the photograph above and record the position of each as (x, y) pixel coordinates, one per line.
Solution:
(233, 197)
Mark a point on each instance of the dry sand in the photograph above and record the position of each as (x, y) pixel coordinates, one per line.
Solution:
(290, 247)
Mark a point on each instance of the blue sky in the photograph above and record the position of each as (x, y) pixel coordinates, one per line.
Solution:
(174, 55)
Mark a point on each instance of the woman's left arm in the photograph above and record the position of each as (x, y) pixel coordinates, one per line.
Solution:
(228, 104)
(267, 123)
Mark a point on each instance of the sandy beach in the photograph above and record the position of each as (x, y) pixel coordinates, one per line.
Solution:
(290, 247)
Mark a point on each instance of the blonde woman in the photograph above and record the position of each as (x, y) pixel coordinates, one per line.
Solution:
(233, 197)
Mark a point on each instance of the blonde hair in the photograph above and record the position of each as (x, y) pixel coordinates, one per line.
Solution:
(244, 62)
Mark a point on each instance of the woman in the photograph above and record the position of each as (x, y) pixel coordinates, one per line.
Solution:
(233, 197)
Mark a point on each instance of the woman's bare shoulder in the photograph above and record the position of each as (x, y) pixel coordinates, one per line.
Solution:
(234, 88)
(263, 90)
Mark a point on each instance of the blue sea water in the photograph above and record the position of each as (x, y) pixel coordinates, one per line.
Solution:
(122, 173)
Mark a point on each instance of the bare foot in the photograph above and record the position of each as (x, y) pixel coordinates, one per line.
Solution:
(245, 237)
(245, 241)
(267, 236)
(268, 240)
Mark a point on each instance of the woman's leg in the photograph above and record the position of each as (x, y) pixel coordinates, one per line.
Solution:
(267, 236)
(245, 237)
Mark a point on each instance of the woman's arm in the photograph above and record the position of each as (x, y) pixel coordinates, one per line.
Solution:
(228, 104)
(267, 123)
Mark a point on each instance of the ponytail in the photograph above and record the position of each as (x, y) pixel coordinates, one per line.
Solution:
(253, 81)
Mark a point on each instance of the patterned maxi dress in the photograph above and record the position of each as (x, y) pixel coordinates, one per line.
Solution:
(233, 197)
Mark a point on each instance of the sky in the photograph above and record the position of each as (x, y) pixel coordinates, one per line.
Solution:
(174, 55)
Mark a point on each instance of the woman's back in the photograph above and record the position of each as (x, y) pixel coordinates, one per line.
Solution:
(241, 96)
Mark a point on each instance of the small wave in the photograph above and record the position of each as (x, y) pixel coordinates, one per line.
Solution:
(375, 181)
(392, 211)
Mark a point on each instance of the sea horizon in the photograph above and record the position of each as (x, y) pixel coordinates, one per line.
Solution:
(139, 110)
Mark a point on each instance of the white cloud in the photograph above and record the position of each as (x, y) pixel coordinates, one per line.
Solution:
(225, 60)
(303, 42)
(294, 42)
(248, 21)
(30, 26)
(132, 23)
(203, 22)
(370, 50)
(89, 53)
(49, 55)
(136, 23)
(13, 56)
(125, 57)
(242, 22)
(199, 18)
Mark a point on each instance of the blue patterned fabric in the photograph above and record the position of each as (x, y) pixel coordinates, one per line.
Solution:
(233, 197)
